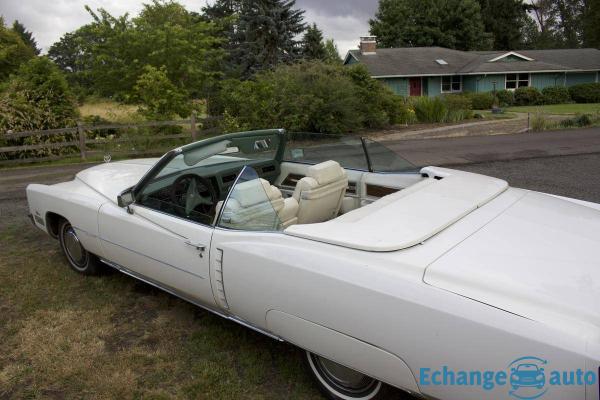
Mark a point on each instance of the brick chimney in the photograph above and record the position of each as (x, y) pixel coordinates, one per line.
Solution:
(368, 44)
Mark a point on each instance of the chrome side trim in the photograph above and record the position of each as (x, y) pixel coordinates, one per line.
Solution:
(182, 296)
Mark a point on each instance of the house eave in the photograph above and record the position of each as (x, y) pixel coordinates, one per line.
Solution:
(485, 73)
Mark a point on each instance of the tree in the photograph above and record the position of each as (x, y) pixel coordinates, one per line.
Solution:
(591, 27)
(505, 20)
(313, 47)
(13, 51)
(570, 21)
(26, 36)
(455, 24)
(266, 34)
(332, 54)
(160, 98)
(109, 55)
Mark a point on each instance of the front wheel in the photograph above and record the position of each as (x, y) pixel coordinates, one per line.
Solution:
(78, 257)
(341, 383)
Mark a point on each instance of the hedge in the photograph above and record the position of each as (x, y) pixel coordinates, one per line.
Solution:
(556, 95)
(585, 93)
(528, 96)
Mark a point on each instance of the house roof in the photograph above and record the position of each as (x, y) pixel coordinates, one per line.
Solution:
(418, 61)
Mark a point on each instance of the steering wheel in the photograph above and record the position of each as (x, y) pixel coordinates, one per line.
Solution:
(194, 192)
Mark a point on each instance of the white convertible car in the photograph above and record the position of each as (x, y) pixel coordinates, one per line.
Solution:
(442, 283)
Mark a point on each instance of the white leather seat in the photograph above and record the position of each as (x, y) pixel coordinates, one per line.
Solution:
(252, 205)
(320, 194)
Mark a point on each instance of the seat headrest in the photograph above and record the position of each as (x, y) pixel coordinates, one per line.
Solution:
(326, 172)
(254, 192)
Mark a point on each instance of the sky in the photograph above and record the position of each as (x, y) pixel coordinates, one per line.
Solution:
(342, 20)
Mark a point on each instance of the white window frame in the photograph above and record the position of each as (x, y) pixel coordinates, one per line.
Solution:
(517, 80)
(451, 84)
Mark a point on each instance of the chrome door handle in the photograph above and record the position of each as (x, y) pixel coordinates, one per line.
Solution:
(197, 246)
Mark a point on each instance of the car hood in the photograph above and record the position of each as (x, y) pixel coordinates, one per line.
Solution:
(111, 179)
(539, 258)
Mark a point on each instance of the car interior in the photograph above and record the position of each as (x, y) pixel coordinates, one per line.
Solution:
(265, 181)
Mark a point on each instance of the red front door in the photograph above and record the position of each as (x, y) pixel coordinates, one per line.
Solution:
(415, 86)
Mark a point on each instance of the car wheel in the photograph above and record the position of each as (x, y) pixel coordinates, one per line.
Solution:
(341, 383)
(78, 257)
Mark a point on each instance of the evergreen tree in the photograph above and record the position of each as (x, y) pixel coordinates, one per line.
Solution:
(505, 20)
(13, 51)
(26, 36)
(456, 24)
(332, 54)
(266, 35)
(591, 27)
(313, 47)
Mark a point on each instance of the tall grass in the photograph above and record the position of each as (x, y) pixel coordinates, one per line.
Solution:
(450, 108)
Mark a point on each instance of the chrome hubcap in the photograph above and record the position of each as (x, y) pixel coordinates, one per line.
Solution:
(346, 380)
(75, 251)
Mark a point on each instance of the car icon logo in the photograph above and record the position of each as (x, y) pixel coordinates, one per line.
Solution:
(527, 378)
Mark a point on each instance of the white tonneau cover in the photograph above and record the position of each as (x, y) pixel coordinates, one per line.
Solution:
(407, 217)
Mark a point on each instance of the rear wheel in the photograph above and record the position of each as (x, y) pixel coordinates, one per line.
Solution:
(78, 257)
(341, 383)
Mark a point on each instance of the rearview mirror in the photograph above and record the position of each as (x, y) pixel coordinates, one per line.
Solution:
(125, 198)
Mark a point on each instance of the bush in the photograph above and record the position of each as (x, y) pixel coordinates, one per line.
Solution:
(309, 96)
(459, 107)
(37, 98)
(539, 122)
(505, 98)
(528, 96)
(585, 93)
(160, 98)
(556, 95)
(430, 109)
(481, 101)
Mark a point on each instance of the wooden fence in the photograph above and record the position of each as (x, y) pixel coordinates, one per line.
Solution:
(82, 141)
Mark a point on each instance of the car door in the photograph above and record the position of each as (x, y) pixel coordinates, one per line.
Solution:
(164, 236)
(165, 250)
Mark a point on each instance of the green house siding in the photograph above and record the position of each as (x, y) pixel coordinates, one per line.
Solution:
(540, 81)
(485, 83)
(398, 85)
(469, 83)
(434, 86)
(577, 78)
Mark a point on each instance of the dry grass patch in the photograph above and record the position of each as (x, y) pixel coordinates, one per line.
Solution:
(67, 336)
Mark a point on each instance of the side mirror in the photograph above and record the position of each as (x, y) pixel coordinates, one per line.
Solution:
(126, 198)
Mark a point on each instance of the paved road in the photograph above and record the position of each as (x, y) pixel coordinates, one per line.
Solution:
(474, 149)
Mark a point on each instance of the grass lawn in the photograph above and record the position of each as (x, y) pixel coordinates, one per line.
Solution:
(66, 336)
(559, 108)
(110, 110)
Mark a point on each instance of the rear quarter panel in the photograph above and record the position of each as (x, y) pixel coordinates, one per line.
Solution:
(373, 299)
(73, 201)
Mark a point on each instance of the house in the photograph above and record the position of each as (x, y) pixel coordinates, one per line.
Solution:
(430, 71)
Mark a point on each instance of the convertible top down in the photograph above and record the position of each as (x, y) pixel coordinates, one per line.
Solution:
(380, 270)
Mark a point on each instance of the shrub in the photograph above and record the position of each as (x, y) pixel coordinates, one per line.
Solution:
(481, 101)
(539, 122)
(430, 109)
(160, 98)
(528, 96)
(309, 96)
(505, 98)
(585, 93)
(37, 97)
(556, 95)
(459, 107)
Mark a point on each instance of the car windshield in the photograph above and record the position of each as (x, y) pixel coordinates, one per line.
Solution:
(351, 152)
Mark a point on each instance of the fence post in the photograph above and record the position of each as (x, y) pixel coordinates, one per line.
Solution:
(193, 126)
(81, 132)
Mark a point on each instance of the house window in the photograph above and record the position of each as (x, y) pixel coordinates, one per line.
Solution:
(451, 84)
(514, 81)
